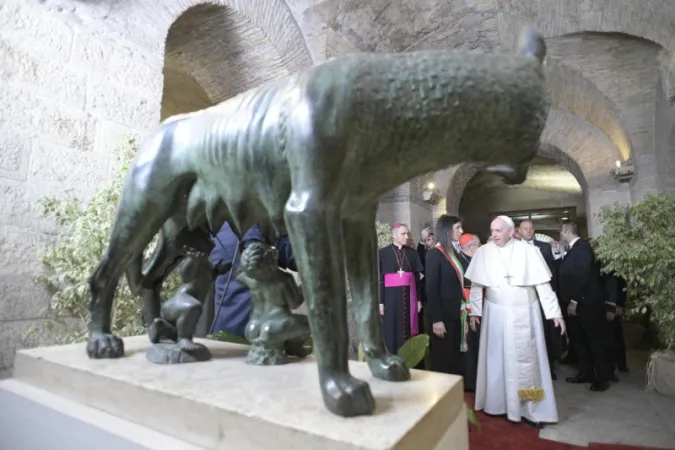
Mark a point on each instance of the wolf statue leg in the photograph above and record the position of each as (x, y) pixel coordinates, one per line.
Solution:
(147, 202)
(360, 240)
(136, 223)
(312, 219)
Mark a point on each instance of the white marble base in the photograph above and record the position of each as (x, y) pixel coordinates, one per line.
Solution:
(227, 404)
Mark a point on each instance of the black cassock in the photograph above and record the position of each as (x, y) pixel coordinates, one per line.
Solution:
(400, 270)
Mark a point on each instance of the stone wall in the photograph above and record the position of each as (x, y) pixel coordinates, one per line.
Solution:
(67, 99)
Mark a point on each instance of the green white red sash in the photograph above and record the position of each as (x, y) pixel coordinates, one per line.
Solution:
(451, 257)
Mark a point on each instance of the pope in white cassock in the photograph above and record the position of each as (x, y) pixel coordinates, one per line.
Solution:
(514, 377)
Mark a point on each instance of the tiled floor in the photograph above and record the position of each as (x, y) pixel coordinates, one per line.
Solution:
(625, 414)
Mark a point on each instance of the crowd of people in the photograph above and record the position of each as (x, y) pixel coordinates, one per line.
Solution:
(500, 314)
(503, 314)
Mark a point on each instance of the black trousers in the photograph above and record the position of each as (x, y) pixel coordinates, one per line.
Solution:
(592, 337)
(619, 344)
(569, 346)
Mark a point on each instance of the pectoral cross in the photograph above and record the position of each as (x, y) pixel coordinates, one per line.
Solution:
(400, 273)
(508, 277)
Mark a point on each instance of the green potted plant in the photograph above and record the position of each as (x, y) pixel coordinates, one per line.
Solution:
(637, 244)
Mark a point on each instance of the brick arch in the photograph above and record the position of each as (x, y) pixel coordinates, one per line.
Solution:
(577, 145)
(226, 47)
(556, 154)
(272, 17)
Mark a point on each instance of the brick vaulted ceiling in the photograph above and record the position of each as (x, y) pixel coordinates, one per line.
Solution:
(213, 53)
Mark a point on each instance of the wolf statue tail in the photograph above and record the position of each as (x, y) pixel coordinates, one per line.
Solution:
(531, 44)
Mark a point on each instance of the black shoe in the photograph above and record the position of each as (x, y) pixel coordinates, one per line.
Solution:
(622, 369)
(579, 379)
(537, 425)
(599, 387)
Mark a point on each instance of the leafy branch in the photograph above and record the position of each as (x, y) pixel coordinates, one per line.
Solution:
(84, 232)
(637, 244)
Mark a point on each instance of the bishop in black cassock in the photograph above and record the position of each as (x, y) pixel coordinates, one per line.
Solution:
(400, 289)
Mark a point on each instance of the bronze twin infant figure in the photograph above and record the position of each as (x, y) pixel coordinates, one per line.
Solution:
(310, 155)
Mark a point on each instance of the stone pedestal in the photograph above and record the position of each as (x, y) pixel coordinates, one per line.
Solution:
(227, 404)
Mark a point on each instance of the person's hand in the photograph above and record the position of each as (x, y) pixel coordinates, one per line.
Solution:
(426, 232)
(419, 306)
(559, 322)
(474, 321)
(555, 246)
(610, 316)
(382, 309)
(619, 310)
(572, 308)
(439, 329)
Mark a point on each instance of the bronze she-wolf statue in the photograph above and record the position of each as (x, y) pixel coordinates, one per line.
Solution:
(310, 155)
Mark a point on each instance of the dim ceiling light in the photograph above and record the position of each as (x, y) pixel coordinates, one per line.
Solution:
(618, 163)
(431, 186)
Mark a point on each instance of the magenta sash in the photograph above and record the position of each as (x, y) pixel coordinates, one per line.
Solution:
(406, 279)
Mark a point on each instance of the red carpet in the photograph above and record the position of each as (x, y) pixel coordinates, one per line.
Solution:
(500, 434)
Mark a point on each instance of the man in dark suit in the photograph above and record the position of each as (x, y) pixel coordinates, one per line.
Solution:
(554, 342)
(580, 293)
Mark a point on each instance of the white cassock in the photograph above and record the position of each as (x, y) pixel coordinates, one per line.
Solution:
(514, 377)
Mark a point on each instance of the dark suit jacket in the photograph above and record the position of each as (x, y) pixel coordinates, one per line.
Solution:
(579, 277)
(444, 291)
(547, 253)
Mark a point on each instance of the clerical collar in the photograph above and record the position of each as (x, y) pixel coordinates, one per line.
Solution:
(397, 246)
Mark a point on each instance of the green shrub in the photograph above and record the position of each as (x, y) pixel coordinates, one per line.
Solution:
(384, 236)
(84, 230)
(637, 244)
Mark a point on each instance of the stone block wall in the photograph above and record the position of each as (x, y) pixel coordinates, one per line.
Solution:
(67, 98)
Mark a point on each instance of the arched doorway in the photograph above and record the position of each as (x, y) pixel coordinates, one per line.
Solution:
(215, 50)
(550, 195)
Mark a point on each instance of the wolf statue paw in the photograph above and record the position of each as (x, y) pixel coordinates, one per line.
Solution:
(347, 396)
(105, 345)
(389, 368)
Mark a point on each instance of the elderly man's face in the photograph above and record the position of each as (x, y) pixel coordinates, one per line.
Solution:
(402, 235)
(500, 232)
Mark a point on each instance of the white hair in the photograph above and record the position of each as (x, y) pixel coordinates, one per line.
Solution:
(508, 221)
(397, 226)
